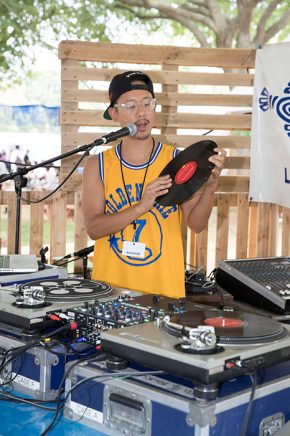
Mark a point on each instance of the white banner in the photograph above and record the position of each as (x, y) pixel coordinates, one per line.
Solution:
(270, 143)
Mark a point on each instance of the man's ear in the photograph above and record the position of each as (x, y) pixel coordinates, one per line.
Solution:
(113, 113)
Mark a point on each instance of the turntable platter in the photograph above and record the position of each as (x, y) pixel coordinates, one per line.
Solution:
(234, 327)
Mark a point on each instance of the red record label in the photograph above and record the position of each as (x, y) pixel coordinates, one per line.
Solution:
(185, 172)
(224, 322)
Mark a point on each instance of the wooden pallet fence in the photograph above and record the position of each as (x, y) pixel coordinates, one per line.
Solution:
(200, 92)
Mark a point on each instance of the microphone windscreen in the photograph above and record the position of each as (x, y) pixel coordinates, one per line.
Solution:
(132, 129)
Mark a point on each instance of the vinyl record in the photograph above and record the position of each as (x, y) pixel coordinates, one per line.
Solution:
(68, 290)
(234, 327)
(189, 170)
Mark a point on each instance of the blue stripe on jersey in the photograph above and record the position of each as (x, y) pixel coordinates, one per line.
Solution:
(101, 165)
(176, 151)
(138, 167)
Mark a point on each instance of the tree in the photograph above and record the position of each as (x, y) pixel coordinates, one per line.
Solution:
(217, 23)
(212, 23)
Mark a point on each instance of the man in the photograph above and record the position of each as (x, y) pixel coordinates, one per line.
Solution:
(138, 242)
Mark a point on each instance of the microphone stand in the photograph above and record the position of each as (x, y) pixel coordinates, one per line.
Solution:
(20, 181)
(85, 266)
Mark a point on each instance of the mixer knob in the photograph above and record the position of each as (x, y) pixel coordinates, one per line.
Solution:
(171, 306)
(156, 298)
(122, 314)
(100, 311)
(128, 316)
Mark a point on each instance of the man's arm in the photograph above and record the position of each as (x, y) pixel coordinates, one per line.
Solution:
(198, 208)
(99, 224)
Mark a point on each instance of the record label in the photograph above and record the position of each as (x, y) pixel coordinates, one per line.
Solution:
(224, 322)
(189, 170)
(185, 173)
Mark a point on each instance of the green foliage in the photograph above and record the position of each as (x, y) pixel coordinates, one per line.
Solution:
(223, 23)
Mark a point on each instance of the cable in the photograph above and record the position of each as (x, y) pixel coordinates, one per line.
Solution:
(59, 405)
(253, 377)
(4, 396)
(196, 281)
(58, 187)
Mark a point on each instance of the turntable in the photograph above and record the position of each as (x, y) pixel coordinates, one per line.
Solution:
(25, 306)
(206, 346)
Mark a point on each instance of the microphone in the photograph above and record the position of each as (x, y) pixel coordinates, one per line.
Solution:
(81, 253)
(129, 130)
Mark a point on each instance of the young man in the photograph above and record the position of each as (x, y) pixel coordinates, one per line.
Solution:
(138, 242)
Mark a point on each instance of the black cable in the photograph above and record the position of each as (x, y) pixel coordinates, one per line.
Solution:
(21, 350)
(4, 396)
(59, 405)
(106, 377)
(253, 377)
(19, 164)
(58, 187)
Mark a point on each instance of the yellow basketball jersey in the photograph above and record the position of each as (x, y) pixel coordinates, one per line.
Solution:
(161, 270)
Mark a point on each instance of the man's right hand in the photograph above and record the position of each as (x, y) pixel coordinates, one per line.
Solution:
(154, 189)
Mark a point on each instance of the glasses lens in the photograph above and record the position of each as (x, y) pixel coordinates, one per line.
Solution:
(148, 104)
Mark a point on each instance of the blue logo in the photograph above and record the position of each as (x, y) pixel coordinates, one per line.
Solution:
(281, 105)
(129, 234)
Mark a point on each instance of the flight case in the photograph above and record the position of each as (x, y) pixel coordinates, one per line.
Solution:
(162, 404)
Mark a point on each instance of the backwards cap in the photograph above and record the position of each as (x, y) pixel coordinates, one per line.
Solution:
(122, 83)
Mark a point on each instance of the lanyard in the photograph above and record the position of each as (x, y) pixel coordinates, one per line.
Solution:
(123, 179)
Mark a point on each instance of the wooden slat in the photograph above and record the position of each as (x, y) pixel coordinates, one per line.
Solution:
(11, 217)
(80, 238)
(237, 162)
(272, 231)
(253, 228)
(71, 140)
(128, 53)
(162, 77)
(165, 98)
(36, 224)
(233, 184)
(222, 228)
(201, 254)
(191, 256)
(58, 225)
(178, 120)
(285, 213)
(242, 226)
(263, 230)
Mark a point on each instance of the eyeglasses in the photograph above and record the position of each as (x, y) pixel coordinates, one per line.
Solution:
(147, 104)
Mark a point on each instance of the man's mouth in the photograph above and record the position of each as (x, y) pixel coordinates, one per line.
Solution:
(142, 125)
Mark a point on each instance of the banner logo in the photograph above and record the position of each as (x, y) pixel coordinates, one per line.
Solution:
(281, 105)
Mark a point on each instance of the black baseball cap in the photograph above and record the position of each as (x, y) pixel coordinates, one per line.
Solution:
(122, 83)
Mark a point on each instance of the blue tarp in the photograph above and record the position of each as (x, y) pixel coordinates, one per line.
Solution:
(36, 115)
